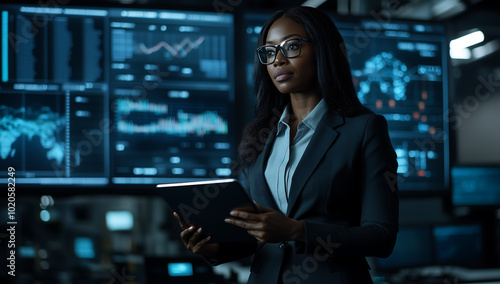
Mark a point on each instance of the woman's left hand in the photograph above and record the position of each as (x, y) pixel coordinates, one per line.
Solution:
(269, 226)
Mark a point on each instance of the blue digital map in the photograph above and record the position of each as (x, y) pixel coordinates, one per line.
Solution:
(44, 123)
(388, 73)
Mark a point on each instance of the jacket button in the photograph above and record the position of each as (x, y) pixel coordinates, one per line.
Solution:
(283, 245)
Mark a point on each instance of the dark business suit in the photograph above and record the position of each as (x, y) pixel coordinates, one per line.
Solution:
(345, 192)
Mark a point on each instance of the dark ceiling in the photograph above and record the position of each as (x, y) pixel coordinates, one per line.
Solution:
(407, 9)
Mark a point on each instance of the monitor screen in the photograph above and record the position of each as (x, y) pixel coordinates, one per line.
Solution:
(475, 186)
(458, 245)
(27, 251)
(399, 70)
(179, 269)
(428, 245)
(53, 95)
(101, 96)
(413, 248)
(119, 220)
(253, 24)
(84, 247)
(171, 91)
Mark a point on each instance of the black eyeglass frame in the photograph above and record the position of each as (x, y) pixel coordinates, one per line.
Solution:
(278, 47)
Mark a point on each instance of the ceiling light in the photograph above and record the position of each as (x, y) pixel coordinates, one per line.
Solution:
(313, 3)
(486, 49)
(463, 53)
(467, 40)
(447, 8)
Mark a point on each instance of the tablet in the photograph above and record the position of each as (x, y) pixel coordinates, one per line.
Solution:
(206, 204)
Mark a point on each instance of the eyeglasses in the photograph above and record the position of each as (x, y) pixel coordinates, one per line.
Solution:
(290, 48)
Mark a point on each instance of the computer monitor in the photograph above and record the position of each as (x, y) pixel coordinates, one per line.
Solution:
(119, 220)
(475, 186)
(436, 245)
(84, 248)
(172, 95)
(53, 81)
(101, 96)
(414, 246)
(399, 70)
(253, 23)
(180, 270)
(458, 245)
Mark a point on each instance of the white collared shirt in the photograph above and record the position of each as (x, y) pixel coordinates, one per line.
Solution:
(285, 156)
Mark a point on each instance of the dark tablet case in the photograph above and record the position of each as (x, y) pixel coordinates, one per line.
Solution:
(206, 204)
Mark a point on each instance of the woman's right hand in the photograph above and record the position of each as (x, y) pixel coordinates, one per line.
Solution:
(192, 239)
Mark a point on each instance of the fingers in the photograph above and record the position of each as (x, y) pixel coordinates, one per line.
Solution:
(247, 220)
(186, 235)
(235, 222)
(181, 223)
(245, 215)
(240, 214)
(199, 245)
(190, 235)
(253, 229)
(194, 239)
(249, 225)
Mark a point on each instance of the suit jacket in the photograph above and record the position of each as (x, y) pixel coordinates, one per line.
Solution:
(345, 191)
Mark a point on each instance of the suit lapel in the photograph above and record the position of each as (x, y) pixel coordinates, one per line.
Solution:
(323, 138)
(262, 188)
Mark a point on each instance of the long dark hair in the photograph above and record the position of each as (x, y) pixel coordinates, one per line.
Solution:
(333, 73)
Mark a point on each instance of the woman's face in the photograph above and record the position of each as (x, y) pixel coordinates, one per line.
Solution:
(291, 75)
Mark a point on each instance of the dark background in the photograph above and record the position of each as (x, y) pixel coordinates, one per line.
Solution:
(129, 256)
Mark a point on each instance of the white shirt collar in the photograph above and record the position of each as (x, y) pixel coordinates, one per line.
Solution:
(311, 120)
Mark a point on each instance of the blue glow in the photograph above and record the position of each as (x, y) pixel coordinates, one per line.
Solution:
(199, 172)
(175, 160)
(180, 269)
(46, 124)
(223, 172)
(5, 45)
(84, 247)
(475, 186)
(177, 171)
(45, 215)
(145, 171)
(431, 155)
(222, 145)
(419, 28)
(413, 248)
(186, 29)
(423, 127)
(119, 220)
(26, 251)
(459, 244)
(187, 71)
(388, 73)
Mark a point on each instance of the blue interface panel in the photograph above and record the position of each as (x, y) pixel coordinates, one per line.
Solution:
(100, 96)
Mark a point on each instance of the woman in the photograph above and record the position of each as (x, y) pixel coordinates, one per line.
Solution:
(320, 166)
